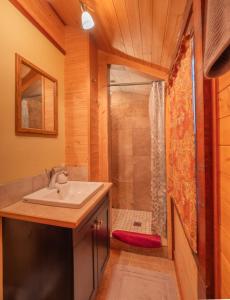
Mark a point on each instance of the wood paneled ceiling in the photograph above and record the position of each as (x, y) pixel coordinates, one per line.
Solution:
(144, 29)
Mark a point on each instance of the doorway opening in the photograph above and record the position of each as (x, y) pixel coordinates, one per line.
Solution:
(131, 167)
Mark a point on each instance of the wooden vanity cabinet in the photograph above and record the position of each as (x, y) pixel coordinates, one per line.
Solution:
(91, 252)
(103, 242)
(43, 262)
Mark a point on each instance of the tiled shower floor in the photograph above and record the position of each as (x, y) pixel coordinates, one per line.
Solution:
(125, 219)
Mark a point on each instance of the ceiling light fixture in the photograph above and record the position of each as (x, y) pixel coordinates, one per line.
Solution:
(86, 18)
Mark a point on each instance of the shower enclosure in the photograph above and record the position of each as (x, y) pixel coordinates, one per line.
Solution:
(132, 201)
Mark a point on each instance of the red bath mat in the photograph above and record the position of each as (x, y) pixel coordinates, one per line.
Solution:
(138, 239)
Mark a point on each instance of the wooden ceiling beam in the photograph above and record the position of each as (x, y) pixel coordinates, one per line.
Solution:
(36, 12)
(118, 58)
(69, 13)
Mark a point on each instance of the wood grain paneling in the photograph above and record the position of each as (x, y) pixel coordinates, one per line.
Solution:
(131, 62)
(174, 22)
(81, 101)
(77, 96)
(70, 14)
(224, 102)
(223, 183)
(224, 159)
(103, 118)
(45, 19)
(186, 267)
(147, 30)
(119, 6)
(225, 276)
(93, 115)
(224, 81)
(159, 28)
(224, 180)
(224, 124)
(225, 238)
(225, 217)
(134, 19)
(204, 158)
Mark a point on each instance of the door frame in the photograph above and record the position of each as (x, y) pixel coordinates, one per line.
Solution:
(104, 62)
(205, 173)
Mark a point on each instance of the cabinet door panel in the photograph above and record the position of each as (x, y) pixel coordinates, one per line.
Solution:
(37, 261)
(103, 238)
(84, 263)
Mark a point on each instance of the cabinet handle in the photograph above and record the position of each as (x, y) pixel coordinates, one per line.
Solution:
(100, 223)
(97, 224)
(94, 226)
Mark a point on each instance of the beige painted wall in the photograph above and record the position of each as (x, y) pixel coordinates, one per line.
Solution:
(130, 149)
(26, 156)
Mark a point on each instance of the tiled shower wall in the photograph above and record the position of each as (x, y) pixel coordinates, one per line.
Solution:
(130, 151)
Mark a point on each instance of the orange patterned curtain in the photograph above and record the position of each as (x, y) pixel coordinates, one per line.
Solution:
(181, 177)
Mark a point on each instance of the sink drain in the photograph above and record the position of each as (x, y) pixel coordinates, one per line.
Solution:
(137, 224)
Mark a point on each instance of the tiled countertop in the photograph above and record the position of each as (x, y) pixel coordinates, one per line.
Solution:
(52, 215)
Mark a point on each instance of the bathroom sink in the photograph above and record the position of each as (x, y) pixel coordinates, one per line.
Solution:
(73, 194)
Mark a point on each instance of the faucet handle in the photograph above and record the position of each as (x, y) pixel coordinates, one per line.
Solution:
(57, 169)
(65, 172)
(62, 178)
(48, 173)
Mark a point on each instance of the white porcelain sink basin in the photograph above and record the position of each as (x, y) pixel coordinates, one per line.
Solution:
(72, 194)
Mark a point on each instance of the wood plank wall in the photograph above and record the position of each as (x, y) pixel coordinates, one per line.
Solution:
(93, 134)
(103, 117)
(204, 158)
(185, 264)
(77, 96)
(223, 144)
(81, 101)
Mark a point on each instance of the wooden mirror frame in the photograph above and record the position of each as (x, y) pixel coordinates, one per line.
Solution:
(19, 130)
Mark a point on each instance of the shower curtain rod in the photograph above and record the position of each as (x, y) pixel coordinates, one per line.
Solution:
(133, 83)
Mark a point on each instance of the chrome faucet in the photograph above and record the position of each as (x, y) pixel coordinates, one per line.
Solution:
(54, 173)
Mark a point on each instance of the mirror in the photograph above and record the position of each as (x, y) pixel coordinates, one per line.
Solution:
(36, 100)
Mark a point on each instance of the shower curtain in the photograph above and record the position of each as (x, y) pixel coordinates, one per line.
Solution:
(158, 174)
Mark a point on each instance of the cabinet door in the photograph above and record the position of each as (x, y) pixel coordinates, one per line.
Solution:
(103, 238)
(37, 261)
(85, 283)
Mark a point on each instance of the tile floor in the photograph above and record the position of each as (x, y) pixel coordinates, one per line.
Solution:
(130, 276)
(123, 219)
